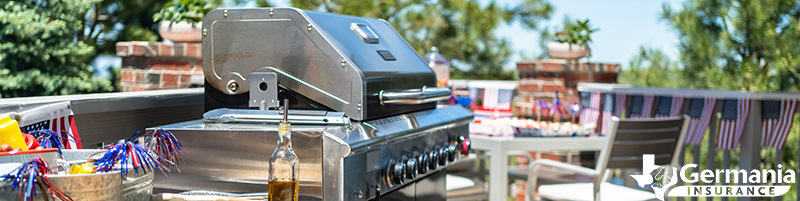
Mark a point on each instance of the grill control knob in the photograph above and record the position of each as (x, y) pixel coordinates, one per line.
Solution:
(443, 155)
(451, 153)
(397, 174)
(411, 168)
(465, 146)
(422, 162)
(433, 159)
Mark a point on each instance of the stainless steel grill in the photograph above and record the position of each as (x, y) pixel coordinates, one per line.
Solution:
(362, 105)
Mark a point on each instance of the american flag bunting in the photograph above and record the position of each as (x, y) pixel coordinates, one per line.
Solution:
(777, 118)
(609, 107)
(57, 117)
(621, 98)
(591, 107)
(669, 106)
(641, 106)
(700, 112)
(731, 125)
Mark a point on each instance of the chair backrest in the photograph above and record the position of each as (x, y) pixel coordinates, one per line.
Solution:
(628, 140)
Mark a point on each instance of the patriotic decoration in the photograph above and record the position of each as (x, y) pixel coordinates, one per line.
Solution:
(590, 111)
(777, 118)
(731, 125)
(669, 106)
(641, 106)
(609, 107)
(700, 111)
(497, 98)
(557, 108)
(57, 117)
(621, 98)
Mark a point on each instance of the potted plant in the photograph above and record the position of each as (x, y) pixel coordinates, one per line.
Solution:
(182, 20)
(573, 42)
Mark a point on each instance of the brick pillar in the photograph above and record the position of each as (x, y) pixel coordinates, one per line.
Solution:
(540, 79)
(155, 65)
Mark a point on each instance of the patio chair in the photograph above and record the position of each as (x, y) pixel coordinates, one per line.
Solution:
(628, 140)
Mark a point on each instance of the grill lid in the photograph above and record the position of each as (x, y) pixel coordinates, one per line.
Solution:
(345, 63)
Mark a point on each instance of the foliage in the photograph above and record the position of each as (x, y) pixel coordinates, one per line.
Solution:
(730, 45)
(738, 44)
(576, 33)
(651, 67)
(461, 29)
(191, 11)
(110, 21)
(38, 51)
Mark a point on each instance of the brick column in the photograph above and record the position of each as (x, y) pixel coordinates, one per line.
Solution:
(540, 79)
(155, 65)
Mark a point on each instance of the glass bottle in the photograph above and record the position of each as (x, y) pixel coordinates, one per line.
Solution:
(283, 167)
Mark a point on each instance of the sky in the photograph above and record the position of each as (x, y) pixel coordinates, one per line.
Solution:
(625, 26)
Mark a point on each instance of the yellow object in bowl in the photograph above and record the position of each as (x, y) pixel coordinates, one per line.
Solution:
(85, 168)
(10, 133)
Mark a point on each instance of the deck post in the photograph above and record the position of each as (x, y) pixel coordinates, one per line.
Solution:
(750, 155)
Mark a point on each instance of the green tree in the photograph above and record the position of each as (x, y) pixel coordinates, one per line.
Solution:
(462, 30)
(750, 45)
(651, 67)
(39, 53)
(110, 21)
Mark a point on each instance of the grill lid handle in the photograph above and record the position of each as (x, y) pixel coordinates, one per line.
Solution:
(425, 95)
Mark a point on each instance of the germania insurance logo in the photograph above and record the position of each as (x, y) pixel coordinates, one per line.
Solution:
(689, 174)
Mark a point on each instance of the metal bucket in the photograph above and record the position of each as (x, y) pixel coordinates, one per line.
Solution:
(91, 187)
(88, 187)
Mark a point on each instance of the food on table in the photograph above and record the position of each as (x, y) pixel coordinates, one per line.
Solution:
(529, 128)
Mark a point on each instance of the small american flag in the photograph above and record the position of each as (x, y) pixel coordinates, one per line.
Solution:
(669, 106)
(609, 107)
(731, 125)
(591, 107)
(777, 118)
(497, 98)
(700, 112)
(57, 117)
(621, 98)
(641, 106)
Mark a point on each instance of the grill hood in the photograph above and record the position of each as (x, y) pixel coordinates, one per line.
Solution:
(355, 65)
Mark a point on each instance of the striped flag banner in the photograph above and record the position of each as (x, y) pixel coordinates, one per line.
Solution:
(641, 106)
(609, 107)
(57, 117)
(590, 111)
(731, 125)
(621, 98)
(669, 106)
(776, 121)
(700, 112)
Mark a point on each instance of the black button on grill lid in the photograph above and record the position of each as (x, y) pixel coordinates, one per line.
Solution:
(386, 55)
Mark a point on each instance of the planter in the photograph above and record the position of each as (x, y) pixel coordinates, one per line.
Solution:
(567, 51)
(181, 32)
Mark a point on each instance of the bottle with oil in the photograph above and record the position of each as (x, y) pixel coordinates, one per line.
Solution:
(283, 165)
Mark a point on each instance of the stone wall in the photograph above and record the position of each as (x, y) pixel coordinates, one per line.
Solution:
(155, 65)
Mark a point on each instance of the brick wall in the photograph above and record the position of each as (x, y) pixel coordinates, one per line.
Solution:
(540, 79)
(155, 65)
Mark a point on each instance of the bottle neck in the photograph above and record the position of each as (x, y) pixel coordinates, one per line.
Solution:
(285, 135)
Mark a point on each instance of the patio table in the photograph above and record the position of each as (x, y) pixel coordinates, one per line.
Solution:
(498, 148)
